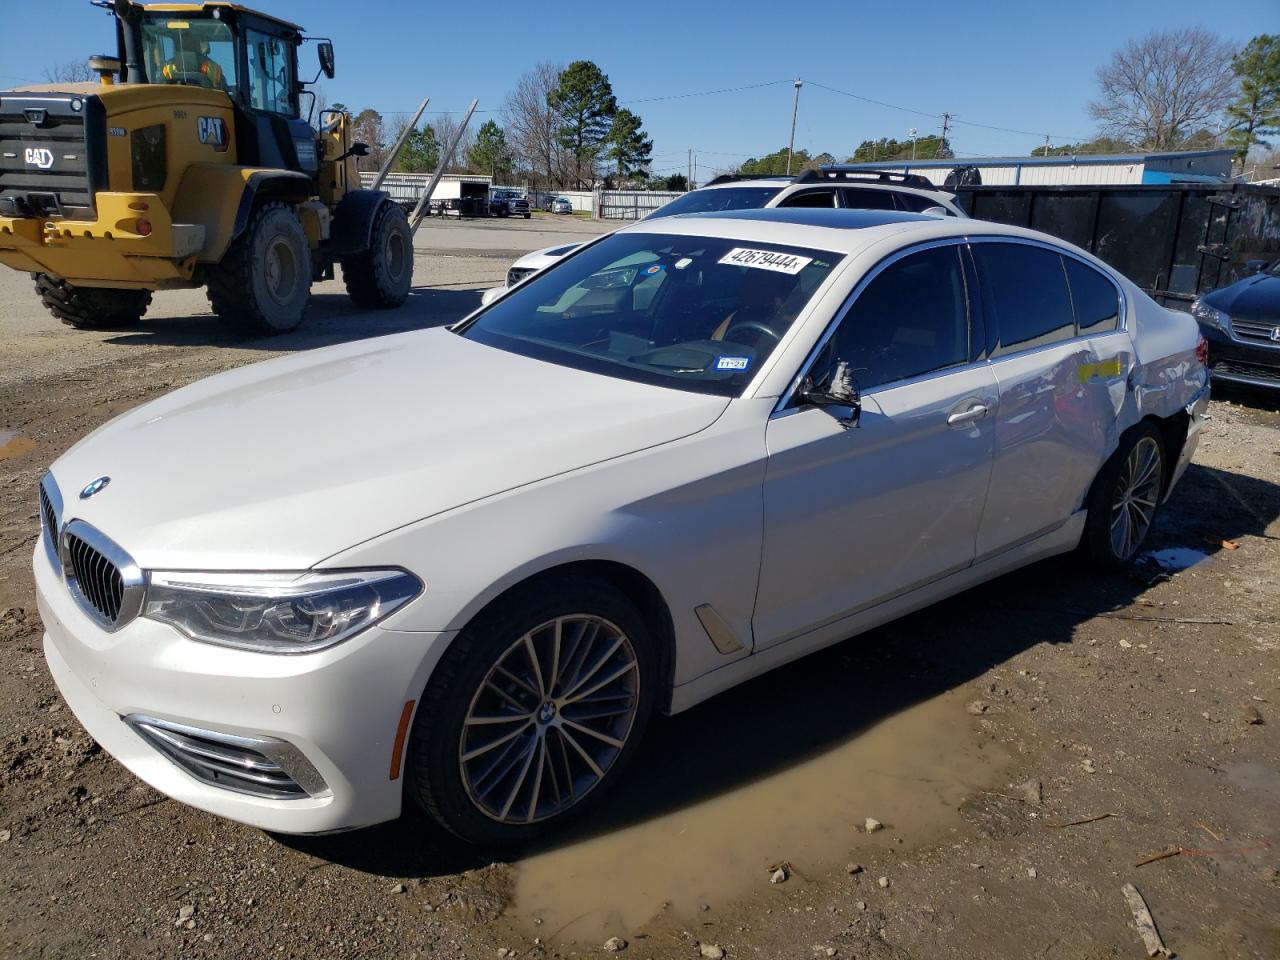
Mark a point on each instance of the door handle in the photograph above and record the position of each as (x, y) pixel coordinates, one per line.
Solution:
(975, 412)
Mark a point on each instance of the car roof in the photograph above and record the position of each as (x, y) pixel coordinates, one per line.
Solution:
(781, 183)
(842, 231)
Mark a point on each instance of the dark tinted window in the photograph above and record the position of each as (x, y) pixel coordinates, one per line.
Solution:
(915, 202)
(811, 198)
(1025, 292)
(718, 198)
(865, 199)
(912, 318)
(1097, 304)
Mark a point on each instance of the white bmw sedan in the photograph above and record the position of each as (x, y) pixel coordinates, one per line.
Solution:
(467, 566)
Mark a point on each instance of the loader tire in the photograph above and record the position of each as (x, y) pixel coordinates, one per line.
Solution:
(262, 285)
(380, 277)
(91, 308)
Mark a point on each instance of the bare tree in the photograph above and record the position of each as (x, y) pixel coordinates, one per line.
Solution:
(1157, 91)
(446, 126)
(532, 124)
(72, 71)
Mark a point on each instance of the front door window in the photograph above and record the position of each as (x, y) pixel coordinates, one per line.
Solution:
(270, 74)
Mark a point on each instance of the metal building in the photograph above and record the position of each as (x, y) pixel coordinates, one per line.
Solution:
(1192, 166)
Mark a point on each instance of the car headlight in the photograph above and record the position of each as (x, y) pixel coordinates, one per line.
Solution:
(277, 612)
(1208, 315)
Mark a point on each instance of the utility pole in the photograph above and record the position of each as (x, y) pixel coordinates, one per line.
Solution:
(912, 133)
(690, 178)
(795, 106)
(1048, 144)
(946, 125)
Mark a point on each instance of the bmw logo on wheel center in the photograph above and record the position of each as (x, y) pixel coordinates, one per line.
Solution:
(94, 486)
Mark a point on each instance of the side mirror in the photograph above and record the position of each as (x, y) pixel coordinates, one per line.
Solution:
(840, 393)
(1255, 266)
(359, 150)
(325, 52)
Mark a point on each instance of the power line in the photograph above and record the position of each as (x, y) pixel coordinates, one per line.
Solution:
(940, 116)
(706, 93)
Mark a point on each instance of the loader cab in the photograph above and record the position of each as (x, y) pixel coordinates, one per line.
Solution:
(253, 58)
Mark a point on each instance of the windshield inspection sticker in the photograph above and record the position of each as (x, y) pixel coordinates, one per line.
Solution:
(656, 268)
(766, 260)
(732, 363)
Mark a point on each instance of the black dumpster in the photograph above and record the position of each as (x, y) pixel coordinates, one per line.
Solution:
(1174, 240)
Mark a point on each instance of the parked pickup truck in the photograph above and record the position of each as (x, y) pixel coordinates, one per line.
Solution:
(508, 203)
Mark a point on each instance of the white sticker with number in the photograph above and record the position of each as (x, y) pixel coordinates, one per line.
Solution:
(766, 260)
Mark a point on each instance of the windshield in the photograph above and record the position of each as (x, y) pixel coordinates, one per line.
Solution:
(197, 52)
(693, 313)
(718, 198)
(1273, 270)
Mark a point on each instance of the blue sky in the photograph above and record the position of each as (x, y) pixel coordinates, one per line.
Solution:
(1026, 65)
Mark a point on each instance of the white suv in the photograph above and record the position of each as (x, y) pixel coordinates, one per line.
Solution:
(825, 187)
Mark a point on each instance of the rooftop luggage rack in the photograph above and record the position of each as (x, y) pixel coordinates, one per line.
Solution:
(734, 177)
(839, 172)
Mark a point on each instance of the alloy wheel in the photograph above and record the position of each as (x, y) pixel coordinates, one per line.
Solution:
(1137, 494)
(549, 719)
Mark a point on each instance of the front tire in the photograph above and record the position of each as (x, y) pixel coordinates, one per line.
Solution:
(262, 285)
(91, 308)
(1125, 499)
(534, 712)
(380, 277)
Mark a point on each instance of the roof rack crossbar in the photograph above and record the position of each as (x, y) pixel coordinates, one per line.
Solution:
(843, 172)
(735, 177)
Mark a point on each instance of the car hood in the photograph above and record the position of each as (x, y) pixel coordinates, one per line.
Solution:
(546, 256)
(1253, 298)
(282, 464)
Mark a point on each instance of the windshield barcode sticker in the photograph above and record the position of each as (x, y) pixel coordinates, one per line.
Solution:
(766, 260)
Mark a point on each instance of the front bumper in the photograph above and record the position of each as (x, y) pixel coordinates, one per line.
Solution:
(107, 251)
(1236, 361)
(339, 708)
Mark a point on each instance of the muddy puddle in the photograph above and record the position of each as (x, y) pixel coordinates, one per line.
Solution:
(1175, 559)
(911, 771)
(14, 444)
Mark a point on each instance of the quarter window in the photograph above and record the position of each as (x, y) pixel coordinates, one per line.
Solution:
(911, 319)
(270, 74)
(1094, 296)
(1025, 291)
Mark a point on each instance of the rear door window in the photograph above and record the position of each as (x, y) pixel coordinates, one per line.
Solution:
(811, 198)
(1096, 301)
(864, 198)
(913, 318)
(1024, 291)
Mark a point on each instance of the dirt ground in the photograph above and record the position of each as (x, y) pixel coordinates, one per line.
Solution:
(1020, 748)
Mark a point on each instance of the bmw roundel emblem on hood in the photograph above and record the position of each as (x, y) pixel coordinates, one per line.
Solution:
(94, 486)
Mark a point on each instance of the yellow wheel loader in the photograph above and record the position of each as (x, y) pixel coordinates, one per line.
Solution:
(190, 164)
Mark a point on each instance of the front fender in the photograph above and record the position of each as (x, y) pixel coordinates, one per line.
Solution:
(353, 222)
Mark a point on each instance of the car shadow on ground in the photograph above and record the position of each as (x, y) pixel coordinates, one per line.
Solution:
(330, 319)
(817, 703)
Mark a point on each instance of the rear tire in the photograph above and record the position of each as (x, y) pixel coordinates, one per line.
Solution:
(1125, 499)
(380, 278)
(262, 285)
(544, 769)
(91, 308)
